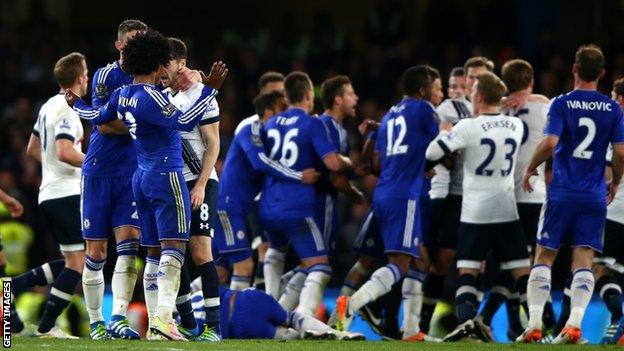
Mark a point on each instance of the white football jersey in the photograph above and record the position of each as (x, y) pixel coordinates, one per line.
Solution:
(453, 111)
(615, 211)
(193, 147)
(533, 115)
(56, 120)
(490, 144)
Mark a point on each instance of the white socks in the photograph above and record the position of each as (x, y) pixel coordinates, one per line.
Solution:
(412, 302)
(93, 288)
(150, 286)
(581, 291)
(123, 281)
(168, 283)
(290, 297)
(313, 287)
(273, 270)
(379, 284)
(538, 292)
(302, 322)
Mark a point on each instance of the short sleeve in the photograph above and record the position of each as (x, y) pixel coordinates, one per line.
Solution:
(617, 134)
(320, 138)
(35, 130)
(447, 112)
(67, 127)
(458, 138)
(554, 123)
(212, 113)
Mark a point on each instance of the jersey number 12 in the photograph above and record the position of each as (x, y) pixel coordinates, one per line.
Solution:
(396, 146)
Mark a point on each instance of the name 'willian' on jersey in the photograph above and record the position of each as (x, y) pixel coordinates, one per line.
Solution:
(297, 140)
(585, 121)
(244, 168)
(109, 155)
(403, 136)
(154, 124)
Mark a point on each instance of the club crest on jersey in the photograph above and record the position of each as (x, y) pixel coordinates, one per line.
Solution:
(168, 110)
(101, 91)
(240, 235)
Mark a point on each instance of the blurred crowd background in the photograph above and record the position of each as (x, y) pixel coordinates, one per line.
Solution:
(372, 41)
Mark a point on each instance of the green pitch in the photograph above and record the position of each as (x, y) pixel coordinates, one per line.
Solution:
(32, 344)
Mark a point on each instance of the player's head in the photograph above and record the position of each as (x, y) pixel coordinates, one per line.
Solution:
(299, 90)
(618, 91)
(71, 72)
(589, 63)
(417, 81)
(337, 92)
(488, 90)
(517, 75)
(435, 95)
(178, 60)
(270, 104)
(457, 83)
(127, 30)
(270, 81)
(475, 66)
(147, 53)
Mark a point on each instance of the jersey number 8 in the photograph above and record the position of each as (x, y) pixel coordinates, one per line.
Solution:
(290, 151)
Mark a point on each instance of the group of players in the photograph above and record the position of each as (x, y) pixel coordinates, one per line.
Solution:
(459, 180)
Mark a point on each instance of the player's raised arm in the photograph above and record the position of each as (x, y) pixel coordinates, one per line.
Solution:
(446, 143)
(15, 207)
(326, 150)
(174, 118)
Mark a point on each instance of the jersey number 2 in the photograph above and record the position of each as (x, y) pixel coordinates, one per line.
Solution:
(581, 150)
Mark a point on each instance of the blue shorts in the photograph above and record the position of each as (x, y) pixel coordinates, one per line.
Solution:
(303, 234)
(231, 236)
(327, 219)
(256, 315)
(399, 220)
(106, 203)
(164, 206)
(573, 223)
(368, 241)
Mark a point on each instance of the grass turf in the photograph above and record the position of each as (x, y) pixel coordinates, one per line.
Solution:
(33, 344)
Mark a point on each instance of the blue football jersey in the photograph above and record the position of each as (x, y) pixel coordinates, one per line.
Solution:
(244, 168)
(108, 155)
(298, 141)
(340, 139)
(154, 124)
(585, 121)
(404, 134)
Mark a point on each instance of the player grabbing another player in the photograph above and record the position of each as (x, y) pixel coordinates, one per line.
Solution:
(108, 205)
(404, 134)
(490, 145)
(200, 149)
(287, 209)
(56, 142)
(581, 124)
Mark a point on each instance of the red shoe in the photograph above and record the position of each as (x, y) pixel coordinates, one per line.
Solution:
(344, 319)
(420, 337)
(530, 336)
(569, 335)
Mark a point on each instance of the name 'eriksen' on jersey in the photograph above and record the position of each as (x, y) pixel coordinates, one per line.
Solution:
(589, 105)
(487, 125)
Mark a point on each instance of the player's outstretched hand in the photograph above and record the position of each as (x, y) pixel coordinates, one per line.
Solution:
(513, 103)
(216, 76)
(613, 188)
(367, 126)
(197, 195)
(309, 176)
(71, 98)
(186, 78)
(526, 184)
(15, 207)
(430, 173)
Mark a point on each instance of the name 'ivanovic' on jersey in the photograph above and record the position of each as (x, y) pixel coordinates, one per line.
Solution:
(589, 105)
